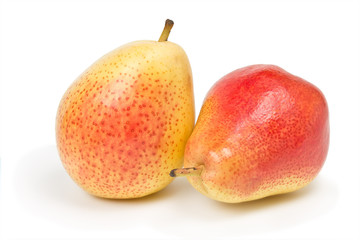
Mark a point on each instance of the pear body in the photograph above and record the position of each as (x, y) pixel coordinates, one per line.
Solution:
(261, 131)
(123, 124)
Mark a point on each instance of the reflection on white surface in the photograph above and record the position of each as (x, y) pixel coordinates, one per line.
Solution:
(45, 190)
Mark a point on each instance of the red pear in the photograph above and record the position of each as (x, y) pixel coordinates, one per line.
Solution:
(261, 131)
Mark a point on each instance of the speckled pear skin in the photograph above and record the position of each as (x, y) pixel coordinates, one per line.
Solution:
(261, 131)
(123, 124)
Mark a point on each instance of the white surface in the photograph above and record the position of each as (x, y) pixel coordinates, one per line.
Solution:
(45, 45)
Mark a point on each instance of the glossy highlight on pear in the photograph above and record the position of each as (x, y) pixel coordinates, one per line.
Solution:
(261, 131)
(123, 123)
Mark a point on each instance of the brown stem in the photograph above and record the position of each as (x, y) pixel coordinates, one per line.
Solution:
(180, 172)
(165, 34)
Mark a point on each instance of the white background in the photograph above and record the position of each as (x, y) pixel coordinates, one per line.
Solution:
(45, 45)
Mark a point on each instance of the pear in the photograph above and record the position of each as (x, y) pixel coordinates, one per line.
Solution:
(122, 125)
(261, 131)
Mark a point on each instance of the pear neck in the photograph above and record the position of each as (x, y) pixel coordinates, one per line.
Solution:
(166, 32)
(186, 172)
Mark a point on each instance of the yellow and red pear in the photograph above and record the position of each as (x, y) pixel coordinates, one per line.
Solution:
(123, 124)
(261, 131)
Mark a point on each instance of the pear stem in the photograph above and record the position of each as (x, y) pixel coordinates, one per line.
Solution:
(165, 34)
(181, 172)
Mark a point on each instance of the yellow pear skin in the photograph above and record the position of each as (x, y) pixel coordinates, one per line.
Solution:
(123, 124)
